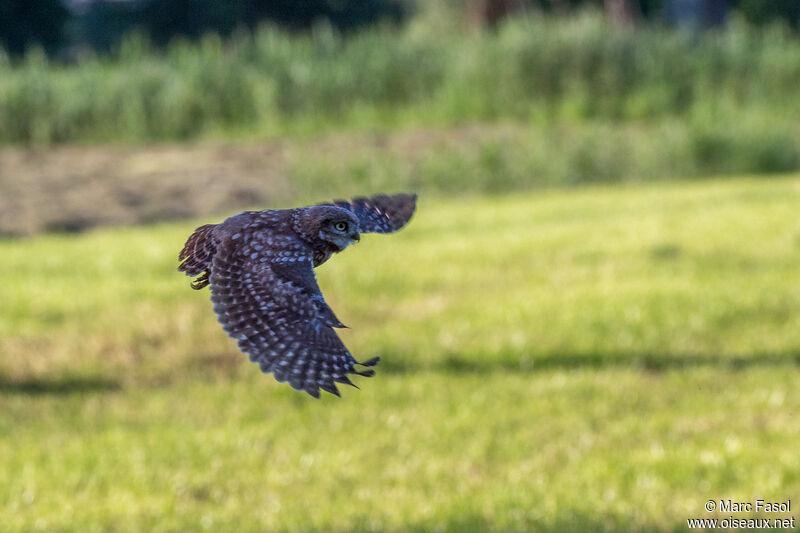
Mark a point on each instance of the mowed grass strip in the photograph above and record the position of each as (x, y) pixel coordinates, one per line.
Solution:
(599, 359)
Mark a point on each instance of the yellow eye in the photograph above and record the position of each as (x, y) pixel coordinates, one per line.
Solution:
(340, 226)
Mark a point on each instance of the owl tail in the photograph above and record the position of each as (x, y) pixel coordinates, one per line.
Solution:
(197, 254)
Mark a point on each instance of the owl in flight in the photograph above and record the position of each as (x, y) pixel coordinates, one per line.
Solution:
(260, 265)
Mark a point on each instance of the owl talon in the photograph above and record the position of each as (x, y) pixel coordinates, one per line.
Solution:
(372, 362)
(200, 282)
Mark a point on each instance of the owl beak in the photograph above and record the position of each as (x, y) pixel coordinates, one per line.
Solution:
(355, 236)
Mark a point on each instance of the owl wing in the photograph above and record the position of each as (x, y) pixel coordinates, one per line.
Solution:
(275, 310)
(382, 213)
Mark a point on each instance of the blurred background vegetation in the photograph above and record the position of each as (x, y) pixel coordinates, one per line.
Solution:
(59, 25)
(138, 71)
(451, 96)
(590, 325)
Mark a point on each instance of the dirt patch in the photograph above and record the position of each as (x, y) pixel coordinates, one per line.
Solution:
(76, 188)
(71, 189)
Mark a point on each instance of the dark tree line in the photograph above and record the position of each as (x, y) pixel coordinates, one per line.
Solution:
(163, 20)
(25, 22)
(699, 13)
(100, 24)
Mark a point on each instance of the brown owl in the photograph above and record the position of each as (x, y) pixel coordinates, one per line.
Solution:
(260, 265)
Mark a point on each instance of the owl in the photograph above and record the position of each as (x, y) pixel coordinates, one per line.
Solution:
(260, 266)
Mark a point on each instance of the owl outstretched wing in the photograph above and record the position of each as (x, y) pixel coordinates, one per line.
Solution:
(382, 213)
(275, 309)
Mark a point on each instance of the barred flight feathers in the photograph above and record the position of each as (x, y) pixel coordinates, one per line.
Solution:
(382, 213)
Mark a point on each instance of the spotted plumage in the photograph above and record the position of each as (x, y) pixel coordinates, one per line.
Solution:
(260, 265)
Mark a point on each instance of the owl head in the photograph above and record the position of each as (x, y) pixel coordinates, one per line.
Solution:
(334, 226)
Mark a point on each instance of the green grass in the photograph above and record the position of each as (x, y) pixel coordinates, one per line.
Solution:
(561, 450)
(598, 359)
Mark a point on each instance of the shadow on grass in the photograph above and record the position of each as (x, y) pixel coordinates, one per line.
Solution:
(57, 386)
(654, 362)
(230, 367)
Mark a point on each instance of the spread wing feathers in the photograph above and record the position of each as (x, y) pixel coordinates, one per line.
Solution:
(197, 255)
(382, 213)
(280, 319)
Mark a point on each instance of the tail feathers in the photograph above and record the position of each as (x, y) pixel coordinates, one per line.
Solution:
(197, 254)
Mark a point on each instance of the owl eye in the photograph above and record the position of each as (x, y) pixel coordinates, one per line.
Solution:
(340, 226)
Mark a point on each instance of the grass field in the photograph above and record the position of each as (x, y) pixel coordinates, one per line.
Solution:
(595, 359)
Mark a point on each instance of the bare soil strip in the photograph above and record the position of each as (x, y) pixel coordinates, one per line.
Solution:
(74, 188)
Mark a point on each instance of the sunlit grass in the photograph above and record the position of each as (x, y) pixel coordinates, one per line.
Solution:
(671, 273)
(561, 450)
(584, 360)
